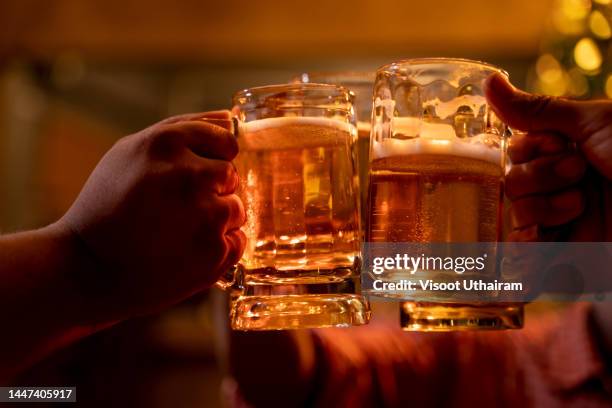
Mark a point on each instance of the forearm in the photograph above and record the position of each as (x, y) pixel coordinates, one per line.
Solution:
(42, 306)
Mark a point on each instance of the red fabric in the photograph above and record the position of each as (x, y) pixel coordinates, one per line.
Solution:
(553, 361)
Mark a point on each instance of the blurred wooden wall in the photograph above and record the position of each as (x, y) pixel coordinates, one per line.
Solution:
(237, 30)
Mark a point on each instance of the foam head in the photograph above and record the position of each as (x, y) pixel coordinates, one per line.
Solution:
(418, 137)
(294, 133)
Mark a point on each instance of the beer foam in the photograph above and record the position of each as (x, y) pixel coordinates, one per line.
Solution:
(473, 149)
(421, 137)
(260, 124)
(294, 133)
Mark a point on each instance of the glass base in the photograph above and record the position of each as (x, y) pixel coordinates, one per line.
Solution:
(426, 316)
(298, 311)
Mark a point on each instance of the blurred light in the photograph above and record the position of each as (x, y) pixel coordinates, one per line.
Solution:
(551, 77)
(605, 2)
(599, 25)
(569, 16)
(587, 55)
(576, 9)
(557, 88)
(608, 86)
(548, 69)
(578, 84)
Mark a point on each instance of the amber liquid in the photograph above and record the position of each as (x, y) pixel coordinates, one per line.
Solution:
(301, 266)
(434, 198)
(440, 198)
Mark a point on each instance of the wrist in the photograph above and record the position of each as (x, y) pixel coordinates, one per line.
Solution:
(81, 276)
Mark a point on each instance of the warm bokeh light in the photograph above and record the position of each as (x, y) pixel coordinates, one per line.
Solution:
(552, 79)
(599, 25)
(548, 69)
(575, 8)
(608, 86)
(587, 55)
(573, 60)
(568, 17)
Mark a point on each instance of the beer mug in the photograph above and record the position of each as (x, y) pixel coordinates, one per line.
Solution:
(299, 185)
(437, 167)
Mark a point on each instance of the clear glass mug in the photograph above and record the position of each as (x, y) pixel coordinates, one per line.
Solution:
(301, 267)
(436, 174)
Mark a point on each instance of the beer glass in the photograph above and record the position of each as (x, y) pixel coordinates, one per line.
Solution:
(437, 166)
(301, 266)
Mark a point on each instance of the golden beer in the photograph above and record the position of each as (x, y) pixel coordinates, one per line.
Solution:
(435, 198)
(298, 188)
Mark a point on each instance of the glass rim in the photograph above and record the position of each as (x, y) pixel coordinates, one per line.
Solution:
(277, 88)
(441, 60)
(345, 75)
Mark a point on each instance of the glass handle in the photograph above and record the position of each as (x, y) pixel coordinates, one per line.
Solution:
(229, 279)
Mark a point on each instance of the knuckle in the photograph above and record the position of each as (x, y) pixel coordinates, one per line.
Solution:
(226, 176)
(228, 171)
(240, 210)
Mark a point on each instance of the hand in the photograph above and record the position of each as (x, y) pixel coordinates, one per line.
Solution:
(157, 218)
(560, 180)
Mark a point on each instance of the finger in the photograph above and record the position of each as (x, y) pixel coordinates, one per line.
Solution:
(235, 241)
(218, 176)
(218, 114)
(233, 212)
(524, 147)
(547, 210)
(544, 175)
(204, 139)
(534, 113)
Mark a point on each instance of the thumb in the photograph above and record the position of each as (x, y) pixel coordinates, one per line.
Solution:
(588, 123)
(532, 113)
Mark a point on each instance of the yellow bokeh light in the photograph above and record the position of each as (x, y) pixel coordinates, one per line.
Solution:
(605, 2)
(587, 55)
(609, 86)
(557, 88)
(576, 9)
(599, 25)
(548, 69)
(569, 16)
